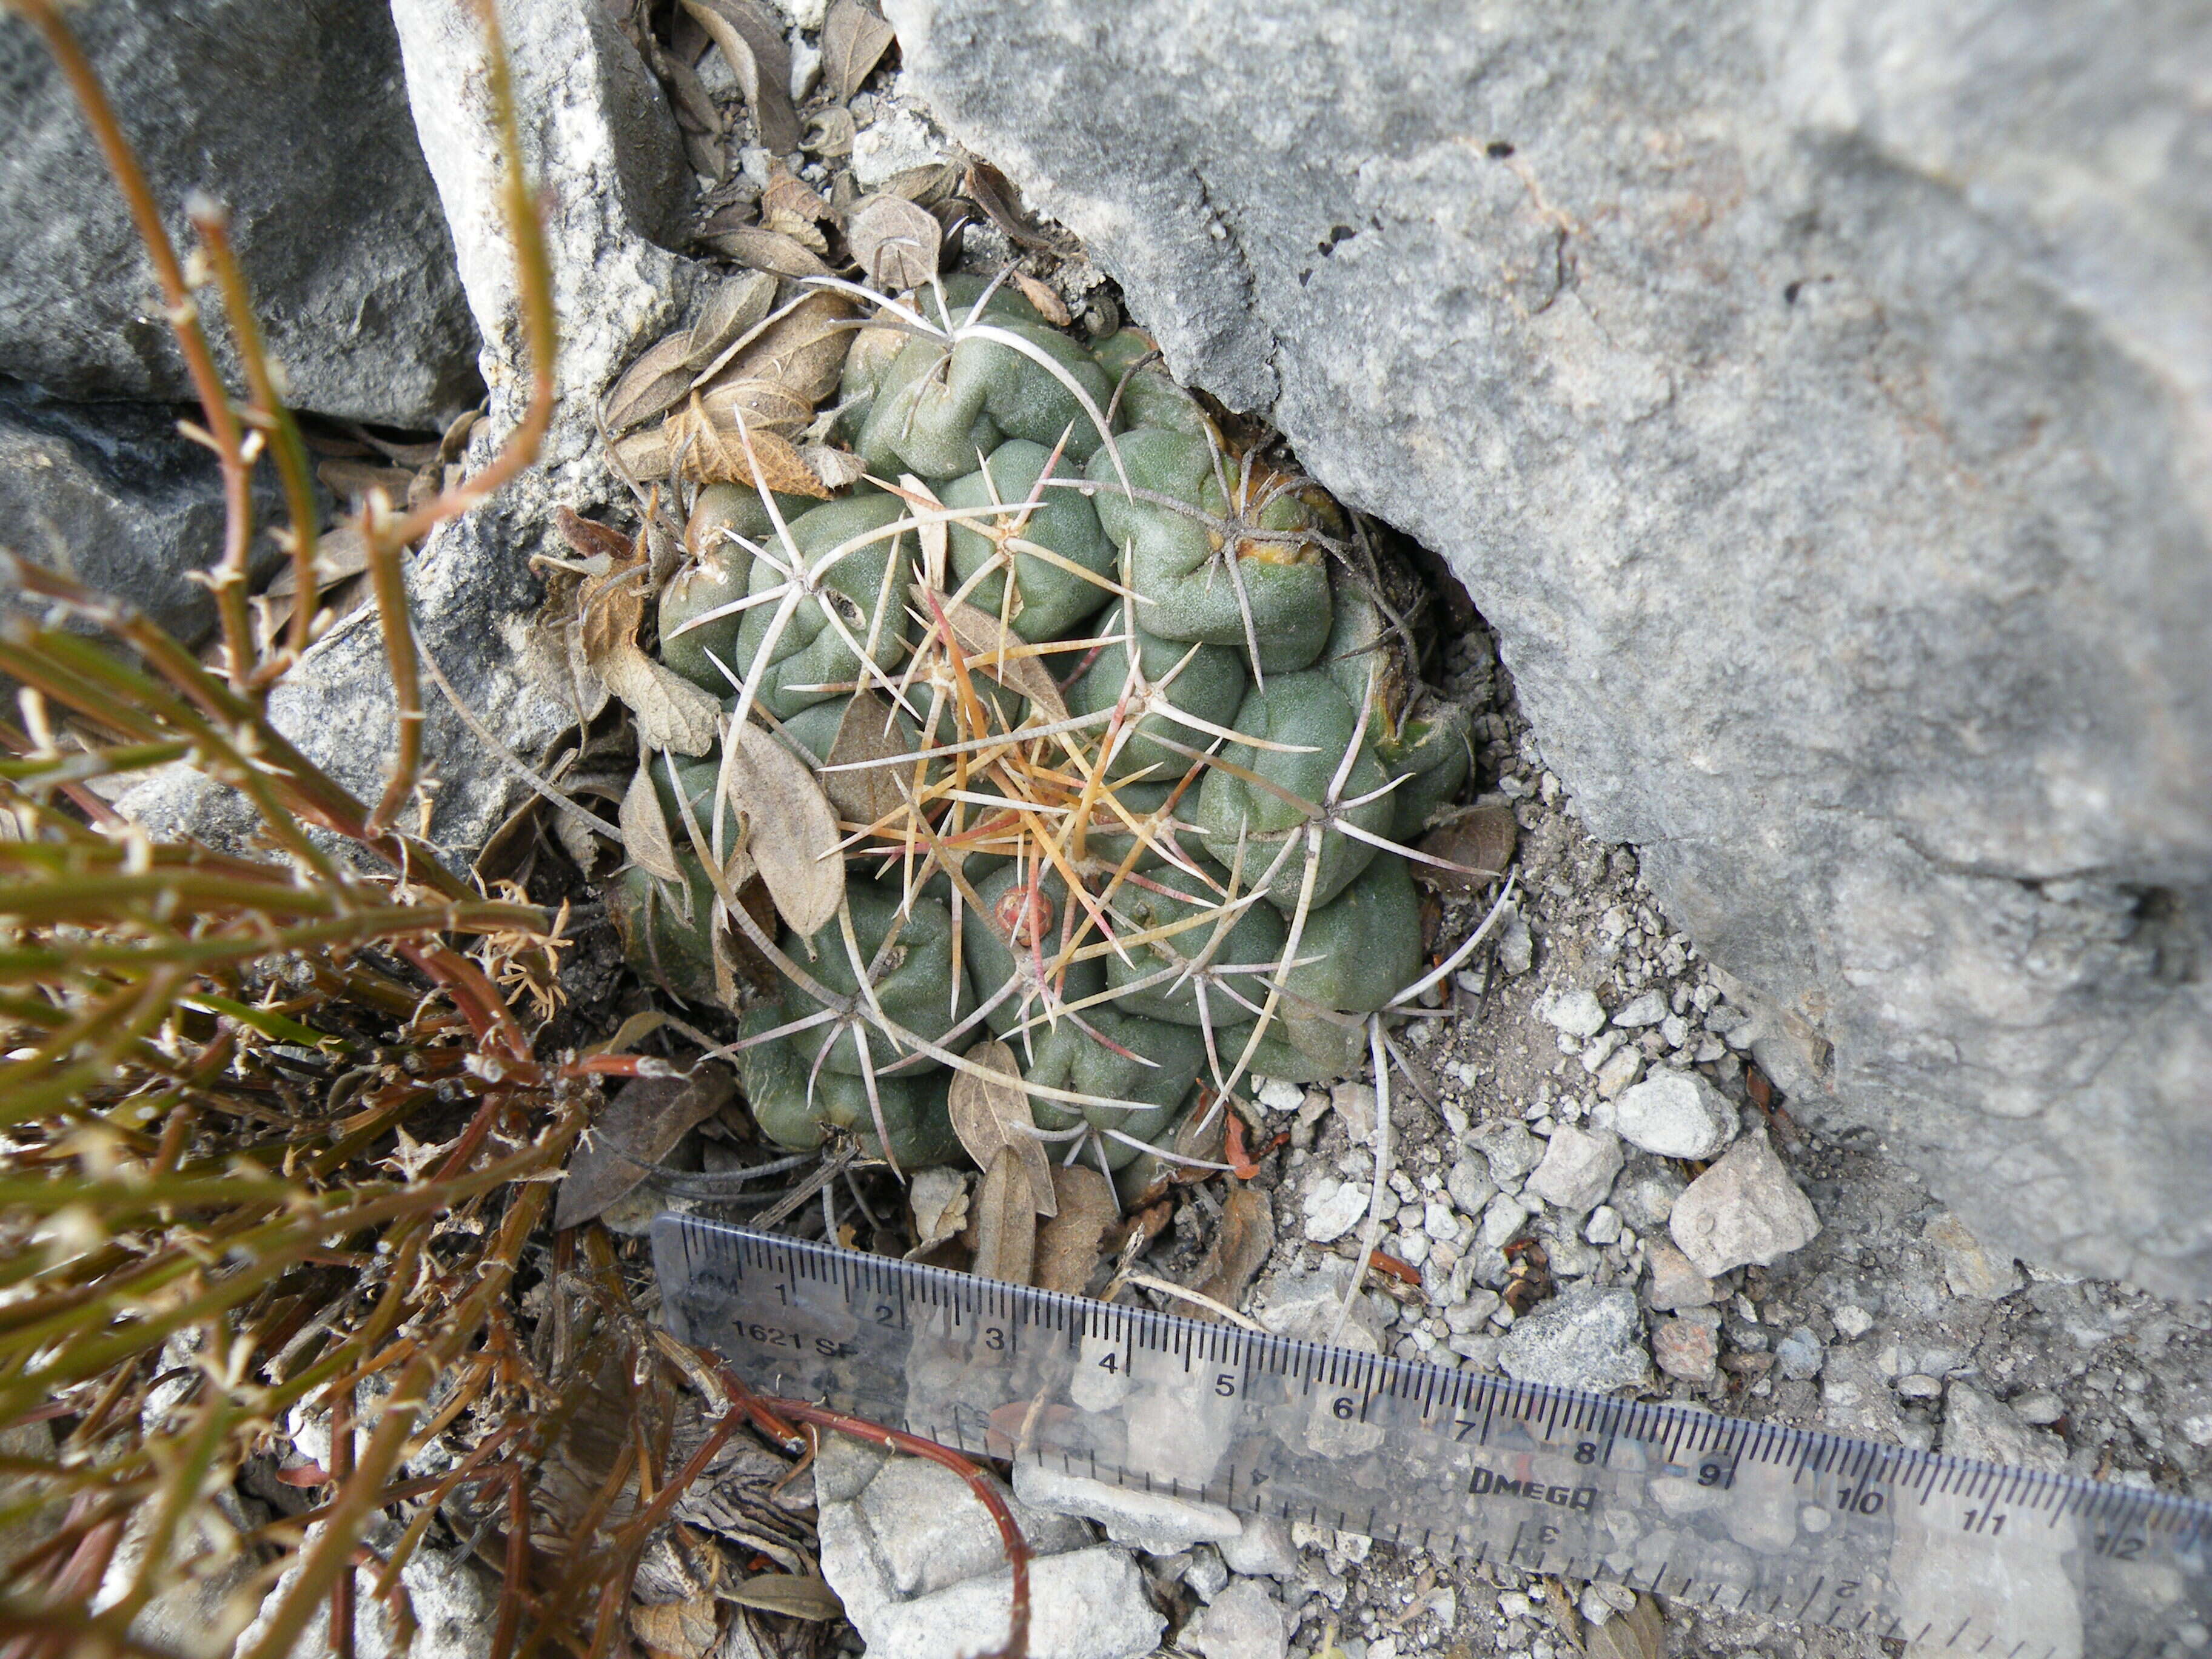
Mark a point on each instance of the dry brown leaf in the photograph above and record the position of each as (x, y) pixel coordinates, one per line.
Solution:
(990, 648)
(767, 405)
(990, 190)
(790, 827)
(794, 1595)
(809, 235)
(713, 453)
(831, 133)
(803, 350)
(993, 1114)
(1049, 306)
(895, 243)
(1005, 1221)
(1071, 1245)
(936, 539)
(340, 551)
(766, 250)
(671, 712)
(1200, 1136)
(867, 732)
(787, 197)
(836, 468)
(645, 831)
(1639, 1633)
(853, 41)
(636, 1129)
(939, 1198)
(356, 479)
(1241, 1240)
(1482, 839)
(739, 303)
(925, 185)
(736, 957)
(652, 386)
(594, 540)
(751, 43)
(680, 1629)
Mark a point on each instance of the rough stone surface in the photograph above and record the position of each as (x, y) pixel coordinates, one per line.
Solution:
(1676, 1280)
(112, 496)
(603, 148)
(1511, 1150)
(1262, 1547)
(933, 1534)
(920, 1571)
(1904, 311)
(1744, 1209)
(1968, 1269)
(1676, 1115)
(1152, 1522)
(1687, 1349)
(1584, 1338)
(1244, 1621)
(1577, 1169)
(295, 119)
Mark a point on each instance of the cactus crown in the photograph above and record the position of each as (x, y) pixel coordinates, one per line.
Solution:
(1072, 720)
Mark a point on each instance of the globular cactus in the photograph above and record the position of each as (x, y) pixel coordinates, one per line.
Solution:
(1012, 515)
(1305, 795)
(1122, 1057)
(1204, 681)
(1106, 730)
(906, 950)
(798, 1108)
(857, 609)
(1218, 554)
(936, 407)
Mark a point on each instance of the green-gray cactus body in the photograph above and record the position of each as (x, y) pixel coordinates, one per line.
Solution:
(1251, 939)
(1366, 940)
(1050, 600)
(935, 411)
(700, 779)
(866, 586)
(1028, 908)
(1433, 753)
(1148, 394)
(1186, 571)
(1304, 709)
(915, 986)
(1159, 1064)
(797, 1112)
(661, 942)
(1321, 1051)
(1170, 825)
(1211, 685)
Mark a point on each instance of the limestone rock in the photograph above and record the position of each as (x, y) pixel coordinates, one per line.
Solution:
(1577, 1169)
(350, 261)
(1744, 1209)
(1583, 1338)
(927, 1531)
(604, 152)
(1906, 311)
(1675, 1114)
(1152, 1522)
(1245, 1621)
(111, 494)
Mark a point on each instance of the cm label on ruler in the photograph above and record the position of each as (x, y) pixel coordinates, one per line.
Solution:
(1954, 1555)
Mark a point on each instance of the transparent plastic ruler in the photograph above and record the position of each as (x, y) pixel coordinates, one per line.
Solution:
(1951, 1555)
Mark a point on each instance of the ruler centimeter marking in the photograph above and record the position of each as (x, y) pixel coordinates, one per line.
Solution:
(1664, 1498)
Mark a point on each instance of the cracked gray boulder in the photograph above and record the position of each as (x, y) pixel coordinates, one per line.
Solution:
(603, 150)
(1818, 403)
(295, 117)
